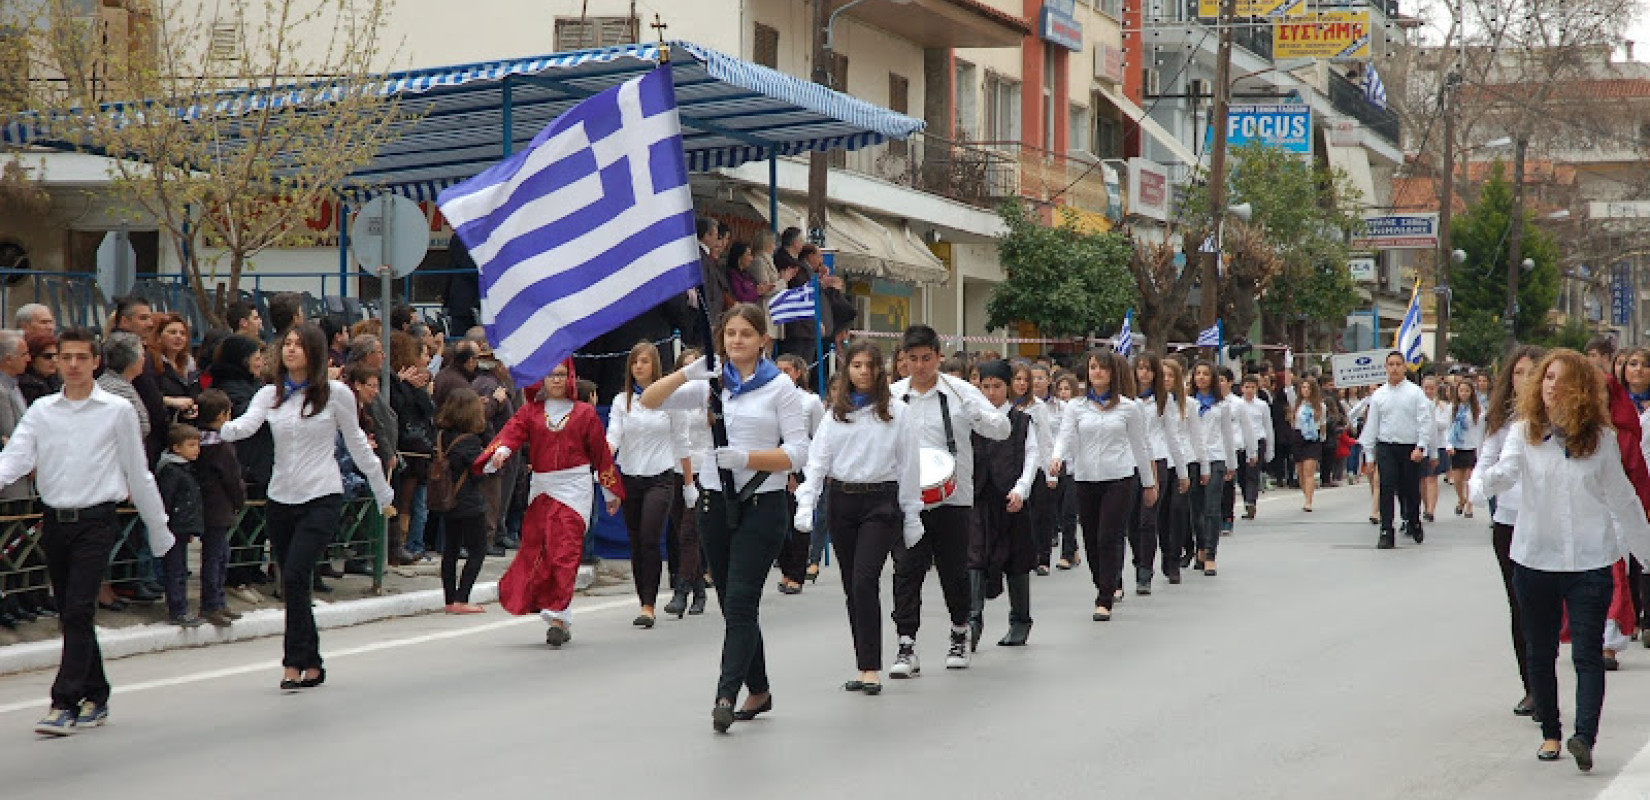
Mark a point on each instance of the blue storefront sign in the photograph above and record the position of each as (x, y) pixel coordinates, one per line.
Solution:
(1621, 294)
(1287, 126)
(1058, 24)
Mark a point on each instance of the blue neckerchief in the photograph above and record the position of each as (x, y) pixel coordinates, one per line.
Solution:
(1204, 402)
(637, 389)
(1306, 421)
(1458, 427)
(1024, 399)
(1146, 395)
(292, 389)
(859, 399)
(1100, 399)
(1639, 400)
(731, 380)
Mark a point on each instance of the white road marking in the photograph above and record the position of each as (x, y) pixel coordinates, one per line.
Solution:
(229, 672)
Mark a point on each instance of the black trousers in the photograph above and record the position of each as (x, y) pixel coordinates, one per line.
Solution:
(1205, 503)
(945, 546)
(647, 502)
(687, 559)
(77, 558)
(1067, 492)
(793, 552)
(1104, 507)
(299, 535)
(1401, 478)
(739, 559)
(1045, 517)
(1501, 541)
(1181, 541)
(1149, 524)
(1545, 598)
(470, 533)
(1248, 476)
(865, 528)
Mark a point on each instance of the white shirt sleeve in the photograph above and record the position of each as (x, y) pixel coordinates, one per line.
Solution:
(983, 418)
(616, 415)
(1613, 491)
(1135, 422)
(1066, 438)
(18, 457)
(1425, 425)
(249, 423)
(134, 464)
(1509, 466)
(342, 403)
(818, 467)
(1028, 468)
(910, 477)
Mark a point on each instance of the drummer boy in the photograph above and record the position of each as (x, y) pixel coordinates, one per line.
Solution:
(1001, 547)
(947, 412)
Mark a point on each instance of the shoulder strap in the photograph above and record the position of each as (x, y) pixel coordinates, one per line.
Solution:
(945, 414)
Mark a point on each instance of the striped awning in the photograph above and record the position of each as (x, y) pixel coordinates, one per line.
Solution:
(732, 111)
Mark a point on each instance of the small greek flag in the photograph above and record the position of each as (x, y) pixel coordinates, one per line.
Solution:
(1374, 89)
(1210, 336)
(1409, 333)
(587, 228)
(793, 305)
(1124, 343)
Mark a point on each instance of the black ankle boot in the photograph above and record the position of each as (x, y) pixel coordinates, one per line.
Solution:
(1019, 611)
(678, 601)
(698, 605)
(976, 608)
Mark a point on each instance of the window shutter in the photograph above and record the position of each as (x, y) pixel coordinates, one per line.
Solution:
(766, 46)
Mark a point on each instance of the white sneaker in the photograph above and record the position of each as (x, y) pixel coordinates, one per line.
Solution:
(906, 664)
(957, 656)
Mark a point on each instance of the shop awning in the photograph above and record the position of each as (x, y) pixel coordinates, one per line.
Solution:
(866, 245)
(1355, 160)
(1149, 125)
(732, 111)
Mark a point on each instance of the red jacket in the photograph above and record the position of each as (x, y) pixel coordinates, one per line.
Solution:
(1625, 418)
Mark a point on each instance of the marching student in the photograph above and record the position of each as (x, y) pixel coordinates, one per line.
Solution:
(1103, 438)
(945, 411)
(1311, 424)
(767, 434)
(1437, 463)
(1002, 544)
(648, 446)
(1217, 418)
(863, 456)
(1165, 411)
(688, 560)
(1065, 388)
(1398, 429)
(1257, 414)
(1466, 431)
(1563, 548)
(1045, 491)
(1178, 540)
(1022, 395)
(796, 560)
(1241, 431)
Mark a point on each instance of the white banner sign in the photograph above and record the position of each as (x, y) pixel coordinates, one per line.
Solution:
(1362, 268)
(1367, 368)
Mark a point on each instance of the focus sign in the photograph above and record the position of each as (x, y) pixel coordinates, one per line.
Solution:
(1367, 368)
(1287, 127)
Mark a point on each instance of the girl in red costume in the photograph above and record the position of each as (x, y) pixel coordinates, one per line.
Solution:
(567, 444)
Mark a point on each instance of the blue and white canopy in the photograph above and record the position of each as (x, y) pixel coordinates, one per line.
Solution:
(732, 111)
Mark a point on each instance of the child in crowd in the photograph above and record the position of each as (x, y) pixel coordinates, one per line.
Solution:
(218, 474)
(459, 427)
(182, 495)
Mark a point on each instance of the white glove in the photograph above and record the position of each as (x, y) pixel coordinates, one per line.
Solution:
(160, 541)
(690, 494)
(913, 529)
(732, 458)
(699, 370)
(804, 520)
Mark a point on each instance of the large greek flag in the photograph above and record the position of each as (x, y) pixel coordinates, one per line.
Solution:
(1409, 333)
(793, 305)
(587, 228)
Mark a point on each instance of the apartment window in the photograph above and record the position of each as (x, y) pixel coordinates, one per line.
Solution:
(1002, 109)
(1108, 137)
(766, 47)
(899, 100)
(965, 90)
(1112, 7)
(585, 33)
(1080, 129)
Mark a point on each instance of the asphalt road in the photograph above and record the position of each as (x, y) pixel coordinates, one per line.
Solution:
(1314, 666)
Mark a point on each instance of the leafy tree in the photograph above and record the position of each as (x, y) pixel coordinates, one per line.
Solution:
(1575, 335)
(1480, 284)
(1477, 337)
(1066, 281)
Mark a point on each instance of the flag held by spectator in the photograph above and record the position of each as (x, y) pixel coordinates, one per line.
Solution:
(793, 305)
(1374, 89)
(1210, 336)
(1409, 333)
(1124, 343)
(588, 227)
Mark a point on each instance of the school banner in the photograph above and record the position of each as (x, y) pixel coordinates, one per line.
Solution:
(1332, 34)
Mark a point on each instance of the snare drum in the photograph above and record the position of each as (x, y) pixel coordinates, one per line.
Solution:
(937, 471)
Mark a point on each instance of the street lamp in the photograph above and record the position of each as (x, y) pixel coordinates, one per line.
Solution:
(830, 24)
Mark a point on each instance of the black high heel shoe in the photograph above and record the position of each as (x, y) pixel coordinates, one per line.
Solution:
(292, 684)
(320, 678)
(746, 715)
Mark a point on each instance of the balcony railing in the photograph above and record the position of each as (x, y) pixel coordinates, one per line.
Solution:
(1348, 98)
(983, 174)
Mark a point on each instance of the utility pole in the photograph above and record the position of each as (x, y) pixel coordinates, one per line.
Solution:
(1446, 205)
(818, 165)
(1515, 239)
(1217, 163)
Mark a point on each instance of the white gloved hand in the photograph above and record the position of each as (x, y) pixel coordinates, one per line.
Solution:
(699, 370)
(732, 458)
(913, 529)
(690, 494)
(804, 520)
(161, 541)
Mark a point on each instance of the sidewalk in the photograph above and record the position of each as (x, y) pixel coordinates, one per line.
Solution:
(408, 591)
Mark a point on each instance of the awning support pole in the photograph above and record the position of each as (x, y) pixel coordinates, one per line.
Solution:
(508, 113)
(773, 193)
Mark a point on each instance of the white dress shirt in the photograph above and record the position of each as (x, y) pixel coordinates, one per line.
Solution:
(305, 465)
(696, 424)
(864, 449)
(1257, 414)
(1185, 429)
(647, 441)
(765, 418)
(1217, 441)
(1472, 437)
(815, 408)
(85, 453)
(1442, 415)
(1508, 498)
(1644, 441)
(1160, 435)
(1589, 516)
(1399, 414)
(1105, 443)
(1042, 427)
(970, 412)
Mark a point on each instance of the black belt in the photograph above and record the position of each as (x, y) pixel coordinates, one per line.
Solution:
(884, 487)
(98, 511)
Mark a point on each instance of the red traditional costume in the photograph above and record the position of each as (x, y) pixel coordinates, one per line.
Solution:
(1624, 417)
(567, 444)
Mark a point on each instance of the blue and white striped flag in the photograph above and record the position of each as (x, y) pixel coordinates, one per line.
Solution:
(1374, 89)
(793, 305)
(1124, 343)
(1210, 336)
(587, 228)
(1409, 333)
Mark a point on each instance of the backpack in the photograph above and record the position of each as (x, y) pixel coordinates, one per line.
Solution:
(440, 492)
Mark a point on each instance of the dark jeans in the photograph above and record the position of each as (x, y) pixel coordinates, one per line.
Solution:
(1206, 517)
(299, 535)
(1501, 541)
(1149, 524)
(1181, 539)
(1248, 476)
(647, 502)
(1545, 597)
(739, 562)
(77, 558)
(1045, 517)
(866, 528)
(944, 544)
(1067, 492)
(1401, 478)
(175, 565)
(470, 533)
(1104, 508)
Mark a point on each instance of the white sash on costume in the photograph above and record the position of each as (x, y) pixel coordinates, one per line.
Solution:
(574, 487)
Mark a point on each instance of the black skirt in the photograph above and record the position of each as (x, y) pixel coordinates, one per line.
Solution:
(1303, 450)
(1463, 459)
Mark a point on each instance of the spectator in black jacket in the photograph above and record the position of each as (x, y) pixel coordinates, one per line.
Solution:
(415, 415)
(460, 427)
(41, 378)
(182, 495)
(223, 494)
(235, 370)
